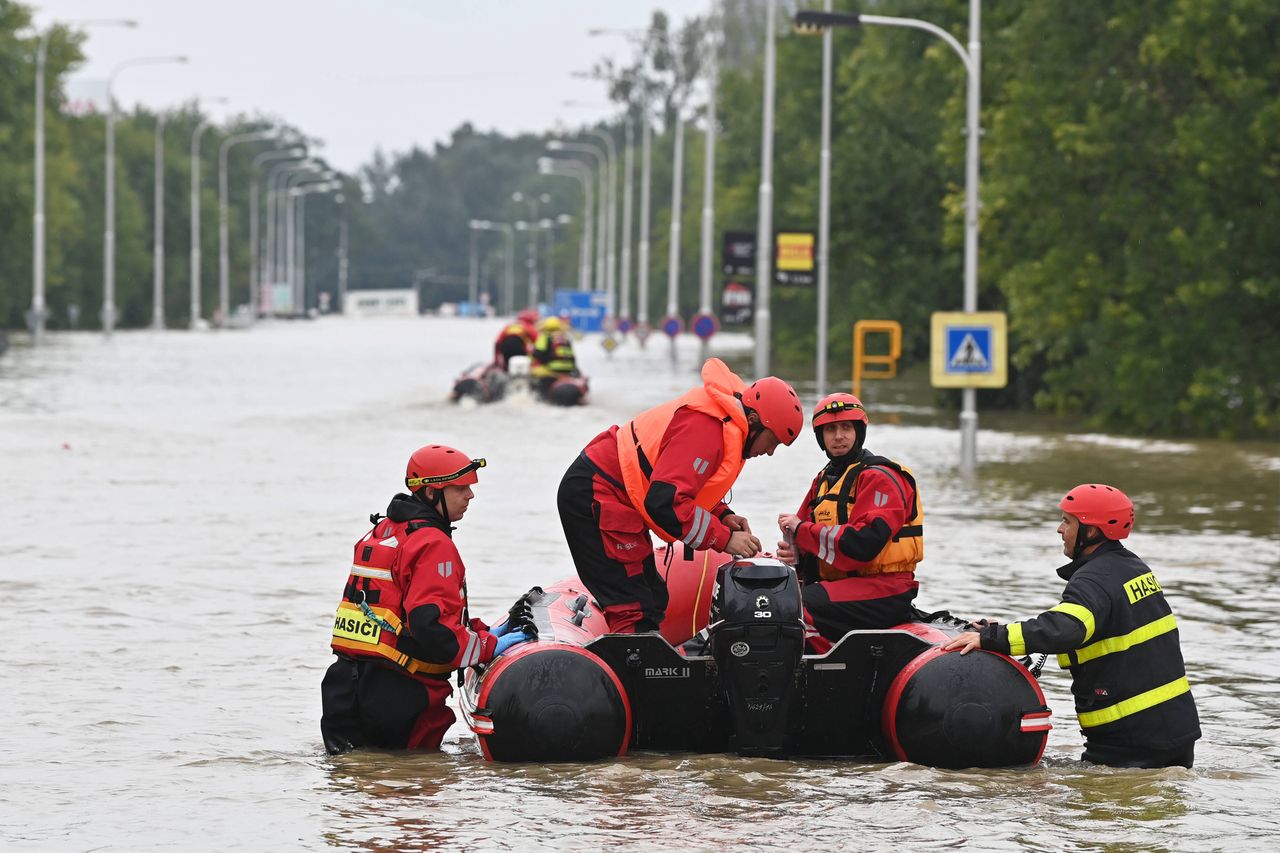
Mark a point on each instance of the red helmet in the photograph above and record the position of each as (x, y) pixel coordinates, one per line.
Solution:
(528, 315)
(436, 465)
(839, 407)
(1104, 507)
(778, 407)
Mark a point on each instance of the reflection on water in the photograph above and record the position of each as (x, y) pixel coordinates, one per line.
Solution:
(179, 510)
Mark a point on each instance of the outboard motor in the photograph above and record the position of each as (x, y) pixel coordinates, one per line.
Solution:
(757, 638)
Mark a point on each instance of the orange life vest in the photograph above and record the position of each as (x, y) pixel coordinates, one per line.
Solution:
(371, 613)
(640, 439)
(831, 507)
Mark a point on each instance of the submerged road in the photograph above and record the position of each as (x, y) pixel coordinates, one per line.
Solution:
(178, 516)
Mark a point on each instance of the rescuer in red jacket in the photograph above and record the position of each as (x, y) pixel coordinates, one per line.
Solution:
(402, 626)
(516, 338)
(668, 470)
(858, 534)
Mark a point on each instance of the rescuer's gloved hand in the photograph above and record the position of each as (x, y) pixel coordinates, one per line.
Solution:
(501, 628)
(506, 641)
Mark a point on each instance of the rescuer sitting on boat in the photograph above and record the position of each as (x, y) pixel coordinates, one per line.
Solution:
(552, 355)
(858, 534)
(402, 626)
(668, 470)
(1115, 632)
(516, 338)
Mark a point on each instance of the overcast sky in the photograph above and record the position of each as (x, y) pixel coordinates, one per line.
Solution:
(364, 74)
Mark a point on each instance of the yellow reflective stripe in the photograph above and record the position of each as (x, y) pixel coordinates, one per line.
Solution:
(1123, 643)
(1064, 661)
(1080, 613)
(1017, 645)
(1141, 702)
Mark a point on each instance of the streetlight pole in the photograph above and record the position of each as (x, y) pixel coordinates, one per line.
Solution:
(642, 260)
(292, 243)
(531, 259)
(602, 163)
(256, 301)
(157, 246)
(274, 266)
(824, 214)
(509, 233)
(709, 174)
(224, 271)
(300, 193)
(547, 166)
(673, 254)
(764, 221)
(109, 217)
(611, 207)
(628, 169)
(341, 200)
(972, 60)
(38, 316)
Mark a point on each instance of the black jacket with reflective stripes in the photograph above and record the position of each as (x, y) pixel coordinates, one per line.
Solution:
(1115, 632)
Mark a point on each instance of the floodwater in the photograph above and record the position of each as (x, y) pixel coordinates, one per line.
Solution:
(178, 516)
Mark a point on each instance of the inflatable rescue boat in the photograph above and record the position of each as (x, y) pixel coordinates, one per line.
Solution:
(744, 684)
(484, 383)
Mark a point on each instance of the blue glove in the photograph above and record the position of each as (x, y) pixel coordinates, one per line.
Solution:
(501, 628)
(506, 641)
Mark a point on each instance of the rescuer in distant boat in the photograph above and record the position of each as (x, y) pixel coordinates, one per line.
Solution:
(552, 355)
(1115, 632)
(402, 626)
(858, 534)
(668, 470)
(516, 339)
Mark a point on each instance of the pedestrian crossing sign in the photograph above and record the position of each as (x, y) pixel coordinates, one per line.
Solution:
(969, 349)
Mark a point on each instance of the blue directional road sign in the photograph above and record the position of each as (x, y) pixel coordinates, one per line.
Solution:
(671, 326)
(969, 349)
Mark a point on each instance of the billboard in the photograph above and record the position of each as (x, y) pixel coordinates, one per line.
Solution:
(795, 257)
(737, 300)
(738, 253)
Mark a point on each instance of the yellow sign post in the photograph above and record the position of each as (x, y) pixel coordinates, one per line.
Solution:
(886, 366)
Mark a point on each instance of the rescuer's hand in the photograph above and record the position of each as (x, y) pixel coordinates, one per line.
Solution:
(736, 522)
(508, 640)
(786, 553)
(500, 629)
(966, 642)
(788, 523)
(742, 544)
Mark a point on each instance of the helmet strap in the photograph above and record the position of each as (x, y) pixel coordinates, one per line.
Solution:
(1083, 540)
(436, 503)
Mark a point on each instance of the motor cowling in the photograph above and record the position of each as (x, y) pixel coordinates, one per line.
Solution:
(757, 639)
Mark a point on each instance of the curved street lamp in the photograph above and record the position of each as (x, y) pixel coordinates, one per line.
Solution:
(39, 314)
(109, 217)
(811, 21)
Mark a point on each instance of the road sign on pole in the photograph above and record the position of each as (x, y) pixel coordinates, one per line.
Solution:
(704, 326)
(970, 350)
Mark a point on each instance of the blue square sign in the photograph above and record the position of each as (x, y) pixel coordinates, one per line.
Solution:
(969, 349)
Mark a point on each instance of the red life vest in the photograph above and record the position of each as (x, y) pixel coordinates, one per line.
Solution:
(371, 613)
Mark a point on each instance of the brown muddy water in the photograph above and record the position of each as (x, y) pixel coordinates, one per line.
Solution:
(178, 513)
